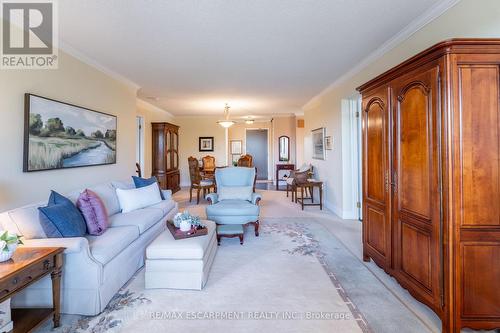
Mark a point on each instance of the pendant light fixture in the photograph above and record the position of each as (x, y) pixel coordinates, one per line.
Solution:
(226, 123)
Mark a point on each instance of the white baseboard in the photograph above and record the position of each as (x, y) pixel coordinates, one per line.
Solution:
(335, 209)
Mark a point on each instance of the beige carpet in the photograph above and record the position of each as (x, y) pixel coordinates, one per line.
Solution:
(303, 274)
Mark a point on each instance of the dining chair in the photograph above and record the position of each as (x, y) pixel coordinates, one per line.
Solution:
(197, 182)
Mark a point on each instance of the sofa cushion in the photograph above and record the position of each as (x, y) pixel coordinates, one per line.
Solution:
(138, 198)
(233, 208)
(142, 219)
(107, 193)
(166, 247)
(142, 182)
(124, 185)
(61, 218)
(94, 212)
(26, 220)
(166, 206)
(113, 241)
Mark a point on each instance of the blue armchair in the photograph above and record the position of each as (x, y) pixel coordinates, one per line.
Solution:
(235, 202)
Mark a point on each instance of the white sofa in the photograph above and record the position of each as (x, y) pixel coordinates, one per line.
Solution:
(95, 267)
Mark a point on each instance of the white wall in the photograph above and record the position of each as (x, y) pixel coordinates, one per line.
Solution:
(150, 114)
(76, 83)
(469, 18)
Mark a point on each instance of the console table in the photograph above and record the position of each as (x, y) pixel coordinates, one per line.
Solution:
(282, 167)
(309, 184)
(28, 265)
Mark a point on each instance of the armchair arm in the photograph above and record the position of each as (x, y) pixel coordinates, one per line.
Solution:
(167, 194)
(256, 198)
(71, 244)
(212, 197)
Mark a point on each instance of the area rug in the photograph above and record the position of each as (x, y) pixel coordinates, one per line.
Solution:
(278, 282)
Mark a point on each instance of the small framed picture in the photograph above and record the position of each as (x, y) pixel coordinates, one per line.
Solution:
(318, 141)
(206, 143)
(328, 143)
(236, 147)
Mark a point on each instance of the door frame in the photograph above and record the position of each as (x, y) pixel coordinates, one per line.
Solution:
(269, 173)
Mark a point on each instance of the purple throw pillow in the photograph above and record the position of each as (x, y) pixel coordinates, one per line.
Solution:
(94, 212)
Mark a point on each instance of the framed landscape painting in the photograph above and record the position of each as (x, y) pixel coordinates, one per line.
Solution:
(59, 135)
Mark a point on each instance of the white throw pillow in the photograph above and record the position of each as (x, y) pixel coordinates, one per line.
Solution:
(235, 193)
(138, 198)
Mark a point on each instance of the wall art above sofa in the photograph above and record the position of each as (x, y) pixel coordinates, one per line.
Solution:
(60, 135)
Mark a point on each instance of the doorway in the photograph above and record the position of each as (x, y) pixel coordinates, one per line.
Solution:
(352, 158)
(257, 145)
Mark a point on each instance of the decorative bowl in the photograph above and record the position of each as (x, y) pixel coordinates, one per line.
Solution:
(6, 255)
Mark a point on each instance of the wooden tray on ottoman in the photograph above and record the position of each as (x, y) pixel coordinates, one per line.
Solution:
(178, 234)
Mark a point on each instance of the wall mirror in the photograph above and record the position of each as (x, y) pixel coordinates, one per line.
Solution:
(284, 148)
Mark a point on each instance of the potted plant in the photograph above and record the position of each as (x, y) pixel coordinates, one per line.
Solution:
(185, 221)
(8, 245)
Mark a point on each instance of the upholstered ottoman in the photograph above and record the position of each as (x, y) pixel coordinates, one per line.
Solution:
(182, 263)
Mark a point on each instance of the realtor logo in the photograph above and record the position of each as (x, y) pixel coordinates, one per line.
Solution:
(29, 34)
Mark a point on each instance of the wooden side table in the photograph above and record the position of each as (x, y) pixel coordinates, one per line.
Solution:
(28, 265)
(309, 185)
(282, 167)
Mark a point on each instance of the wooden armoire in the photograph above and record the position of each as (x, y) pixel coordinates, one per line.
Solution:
(431, 179)
(166, 155)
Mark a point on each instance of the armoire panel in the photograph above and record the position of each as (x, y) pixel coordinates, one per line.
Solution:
(479, 101)
(376, 229)
(480, 279)
(416, 255)
(375, 129)
(414, 155)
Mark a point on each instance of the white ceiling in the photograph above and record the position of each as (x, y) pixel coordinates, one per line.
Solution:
(261, 56)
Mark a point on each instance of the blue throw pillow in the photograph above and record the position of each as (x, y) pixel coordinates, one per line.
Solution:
(61, 218)
(142, 182)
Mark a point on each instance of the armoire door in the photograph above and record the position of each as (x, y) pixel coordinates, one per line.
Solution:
(416, 185)
(376, 195)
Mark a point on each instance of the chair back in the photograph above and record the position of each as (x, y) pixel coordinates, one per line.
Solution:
(194, 170)
(245, 161)
(234, 176)
(208, 163)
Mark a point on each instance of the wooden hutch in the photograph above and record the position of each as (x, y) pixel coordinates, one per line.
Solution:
(165, 156)
(431, 179)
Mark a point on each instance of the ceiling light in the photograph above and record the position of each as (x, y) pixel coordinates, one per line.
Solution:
(249, 121)
(226, 123)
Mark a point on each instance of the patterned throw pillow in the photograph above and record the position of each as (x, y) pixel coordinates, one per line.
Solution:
(142, 182)
(61, 218)
(94, 212)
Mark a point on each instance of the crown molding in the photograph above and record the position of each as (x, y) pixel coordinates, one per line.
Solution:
(427, 17)
(66, 48)
(149, 106)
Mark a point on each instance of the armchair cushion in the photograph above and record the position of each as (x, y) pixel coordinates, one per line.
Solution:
(233, 207)
(235, 192)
